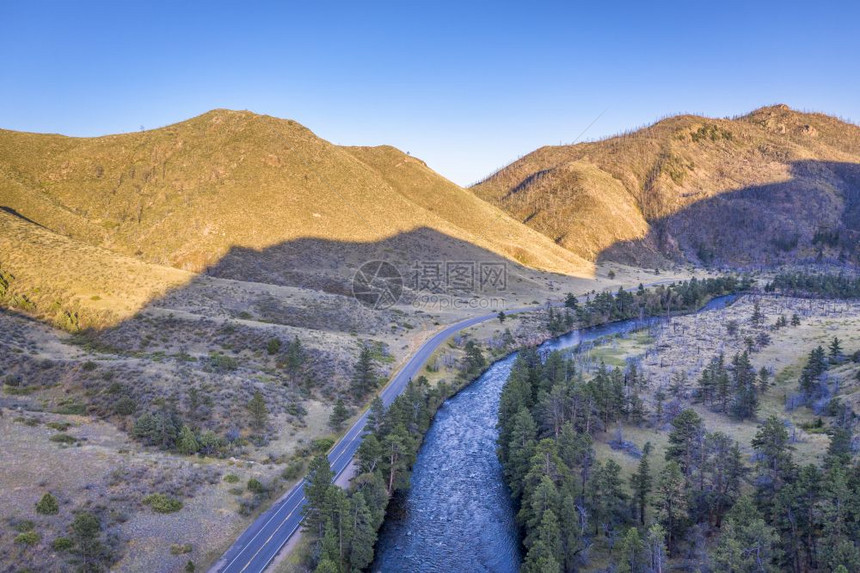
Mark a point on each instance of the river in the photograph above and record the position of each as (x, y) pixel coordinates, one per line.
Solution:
(458, 514)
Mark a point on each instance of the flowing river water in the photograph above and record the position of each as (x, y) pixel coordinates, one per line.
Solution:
(458, 514)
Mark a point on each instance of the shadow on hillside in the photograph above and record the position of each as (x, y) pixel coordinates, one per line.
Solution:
(431, 265)
(329, 266)
(814, 216)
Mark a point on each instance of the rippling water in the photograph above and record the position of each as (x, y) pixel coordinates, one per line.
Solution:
(458, 514)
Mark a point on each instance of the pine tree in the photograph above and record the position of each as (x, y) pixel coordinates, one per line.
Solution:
(641, 484)
(671, 503)
(631, 552)
(474, 362)
(395, 447)
(745, 403)
(747, 543)
(775, 464)
(339, 415)
(86, 532)
(258, 410)
(375, 415)
(364, 376)
(364, 534)
(795, 320)
(757, 317)
(685, 441)
(607, 499)
(835, 351)
(519, 451)
(317, 484)
(187, 442)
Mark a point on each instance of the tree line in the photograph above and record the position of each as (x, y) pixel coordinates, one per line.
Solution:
(343, 524)
(707, 507)
(839, 286)
(683, 296)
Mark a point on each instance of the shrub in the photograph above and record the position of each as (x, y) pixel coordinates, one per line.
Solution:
(161, 503)
(293, 470)
(180, 548)
(89, 366)
(28, 538)
(64, 439)
(322, 445)
(59, 426)
(62, 544)
(231, 478)
(223, 363)
(125, 406)
(273, 346)
(48, 505)
(255, 486)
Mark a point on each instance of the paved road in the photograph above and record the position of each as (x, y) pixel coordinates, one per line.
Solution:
(257, 547)
(260, 543)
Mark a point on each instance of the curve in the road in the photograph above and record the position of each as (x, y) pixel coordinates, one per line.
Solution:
(258, 545)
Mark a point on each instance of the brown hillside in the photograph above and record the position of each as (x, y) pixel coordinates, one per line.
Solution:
(773, 185)
(283, 205)
(184, 194)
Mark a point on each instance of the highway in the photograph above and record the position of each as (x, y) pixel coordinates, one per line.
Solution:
(258, 545)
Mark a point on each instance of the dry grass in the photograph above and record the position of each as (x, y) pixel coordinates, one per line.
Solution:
(690, 341)
(591, 196)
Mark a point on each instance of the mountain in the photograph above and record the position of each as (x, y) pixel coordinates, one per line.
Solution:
(185, 196)
(775, 185)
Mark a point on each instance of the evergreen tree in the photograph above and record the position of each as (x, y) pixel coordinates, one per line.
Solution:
(375, 415)
(187, 442)
(317, 484)
(747, 544)
(641, 484)
(339, 415)
(607, 499)
(774, 465)
(474, 361)
(816, 365)
(671, 503)
(369, 454)
(835, 348)
(259, 412)
(631, 552)
(364, 533)
(364, 377)
(395, 448)
(685, 441)
(795, 320)
(86, 530)
(519, 452)
(757, 317)
(745, 403)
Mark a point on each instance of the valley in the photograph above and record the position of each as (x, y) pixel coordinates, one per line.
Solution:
(182, 342)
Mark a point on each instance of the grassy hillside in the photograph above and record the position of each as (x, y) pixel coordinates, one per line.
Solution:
(769, 186)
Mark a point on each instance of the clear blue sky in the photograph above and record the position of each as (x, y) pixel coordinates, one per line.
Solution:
(466, 86)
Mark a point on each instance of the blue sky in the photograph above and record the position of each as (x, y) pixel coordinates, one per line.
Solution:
(467, 86)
